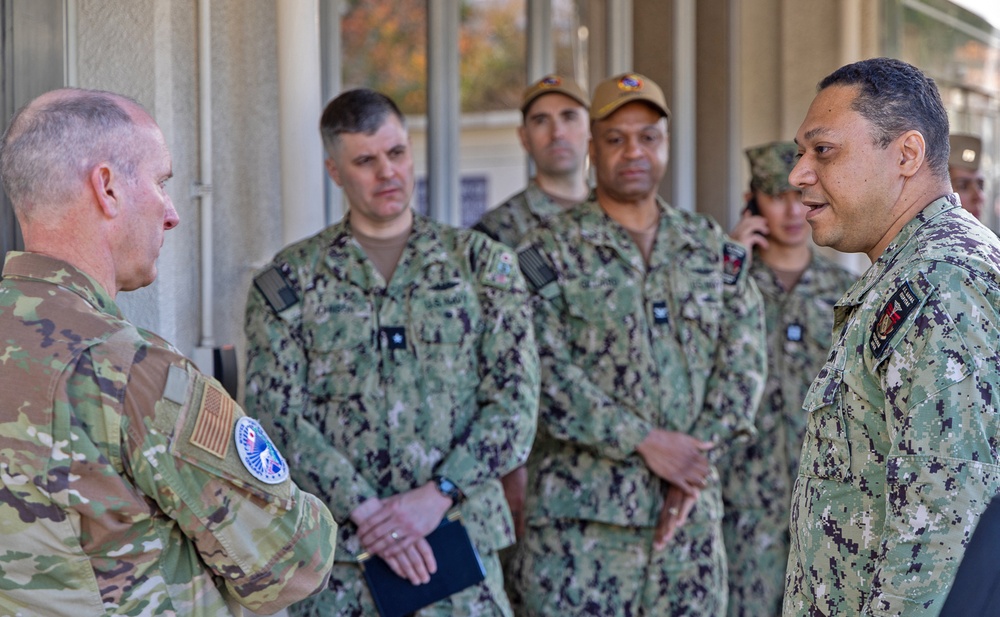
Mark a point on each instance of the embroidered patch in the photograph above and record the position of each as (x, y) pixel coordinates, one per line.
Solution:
(891, 318)
(498, 270)
(535, 269)
(275, 288)
(258, 453)
(211, 429)
(733, 257)
(793, 332)
(660, 315)
(395, 337)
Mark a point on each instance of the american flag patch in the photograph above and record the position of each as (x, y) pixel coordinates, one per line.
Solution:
(215, 421)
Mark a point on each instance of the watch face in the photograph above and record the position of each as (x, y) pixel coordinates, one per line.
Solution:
(448, 488)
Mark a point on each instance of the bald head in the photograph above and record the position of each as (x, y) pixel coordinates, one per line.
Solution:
(54, 141)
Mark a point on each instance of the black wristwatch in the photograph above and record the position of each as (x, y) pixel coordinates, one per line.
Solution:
(449, 489)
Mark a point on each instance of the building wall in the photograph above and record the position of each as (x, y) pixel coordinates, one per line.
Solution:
(148, 49)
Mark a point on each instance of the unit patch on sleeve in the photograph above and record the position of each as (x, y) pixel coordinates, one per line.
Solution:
(499, 265)
(535, 269)
(275, 288)
(734, 255)
(258, 453)
(891, 317)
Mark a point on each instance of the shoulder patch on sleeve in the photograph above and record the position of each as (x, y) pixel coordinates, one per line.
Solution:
(535, 268)
(499, 265)
(275, 288)
(891, 317)
(214, 420)
(734, 256)
(258, 453)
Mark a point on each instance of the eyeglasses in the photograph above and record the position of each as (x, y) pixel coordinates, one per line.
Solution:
(965, 184)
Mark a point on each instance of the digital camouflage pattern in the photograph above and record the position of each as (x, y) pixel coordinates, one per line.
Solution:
(757, 478)
(376, 388)
(770, 165)
(678, 345)
(106, 506)
(900, 456)
(511, 220)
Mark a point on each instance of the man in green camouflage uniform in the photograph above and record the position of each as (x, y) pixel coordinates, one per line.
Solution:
(652, 341)
(900, 455)
(398, 356)
(800, 287)
(130, 483)
(554, 133)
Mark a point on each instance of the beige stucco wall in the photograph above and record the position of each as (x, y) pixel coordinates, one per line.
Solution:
(148, 49)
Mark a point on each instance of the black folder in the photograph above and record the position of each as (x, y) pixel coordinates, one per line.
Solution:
(458, 567)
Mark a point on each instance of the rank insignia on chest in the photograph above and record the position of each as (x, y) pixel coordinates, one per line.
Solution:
(891, 317)
(395, 337)
(733, 257)
(793, 332)
(660, 315)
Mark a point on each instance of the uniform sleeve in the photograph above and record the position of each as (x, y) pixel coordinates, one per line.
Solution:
(573, 408)
(739, 372)
(276, 394)
(940, 379)
(507, 393)
(269, 543)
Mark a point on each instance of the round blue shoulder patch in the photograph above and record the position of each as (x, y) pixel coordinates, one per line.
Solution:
(258, 453)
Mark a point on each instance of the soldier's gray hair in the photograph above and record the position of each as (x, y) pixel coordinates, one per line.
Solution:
(356, 111)
(50, 146)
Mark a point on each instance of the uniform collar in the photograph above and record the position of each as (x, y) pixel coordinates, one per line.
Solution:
(856, 294)
(598, 228)
(45, 269)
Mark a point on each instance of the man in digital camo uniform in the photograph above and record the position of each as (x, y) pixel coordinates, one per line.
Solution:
(900, 454)
(651, 338)
(398, 356)
(130, 483)
(554, 132)
(799, 287)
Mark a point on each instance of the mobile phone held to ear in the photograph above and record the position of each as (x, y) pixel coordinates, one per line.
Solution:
(752, 206)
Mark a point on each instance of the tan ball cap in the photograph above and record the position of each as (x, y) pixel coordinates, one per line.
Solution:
(612, 93)
(554, 83)
(965, 150)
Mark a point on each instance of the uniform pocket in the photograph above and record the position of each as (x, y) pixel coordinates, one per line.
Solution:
(826, 451)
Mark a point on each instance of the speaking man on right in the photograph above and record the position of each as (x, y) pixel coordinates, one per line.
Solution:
(900, 454)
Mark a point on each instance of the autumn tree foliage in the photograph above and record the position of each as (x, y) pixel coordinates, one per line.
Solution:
(385, 48)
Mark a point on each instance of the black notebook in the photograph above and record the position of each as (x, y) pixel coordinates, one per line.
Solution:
(458, 567)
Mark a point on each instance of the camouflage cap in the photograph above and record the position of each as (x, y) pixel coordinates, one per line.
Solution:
(554, 83)
(965, 150)
(616, 91)
(770, 165)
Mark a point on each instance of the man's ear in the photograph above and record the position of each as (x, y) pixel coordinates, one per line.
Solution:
(912, 152)
(104, 183)
(332, 170)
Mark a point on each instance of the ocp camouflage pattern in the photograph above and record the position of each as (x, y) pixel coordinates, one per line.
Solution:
(624, 349)
(105, 507)
(900, 455)
(374, 388)
(757, 477)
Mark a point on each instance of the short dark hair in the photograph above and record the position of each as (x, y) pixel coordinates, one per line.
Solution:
(49, 146)
(356, 111)
(897, 97)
